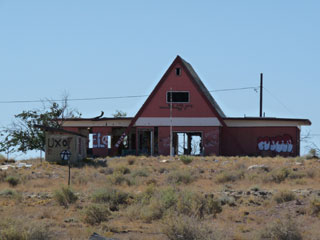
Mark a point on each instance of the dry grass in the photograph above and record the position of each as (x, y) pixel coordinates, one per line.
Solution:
(138, 197)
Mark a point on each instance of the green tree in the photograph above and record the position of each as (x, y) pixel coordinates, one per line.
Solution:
(21, 135)
(119, 114)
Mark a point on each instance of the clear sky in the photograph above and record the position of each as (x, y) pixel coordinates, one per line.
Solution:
(103, 48)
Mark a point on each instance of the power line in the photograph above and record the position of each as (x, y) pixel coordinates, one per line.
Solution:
(279, 101)
(71, 99)
(107, 98)
(234, 89)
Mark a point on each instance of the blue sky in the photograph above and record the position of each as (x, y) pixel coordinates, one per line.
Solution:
(104, 48)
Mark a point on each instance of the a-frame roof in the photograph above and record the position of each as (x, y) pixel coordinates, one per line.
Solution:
(198, 84)
(202, 87)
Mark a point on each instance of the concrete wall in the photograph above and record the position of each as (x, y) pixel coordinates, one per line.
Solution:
(58, 142)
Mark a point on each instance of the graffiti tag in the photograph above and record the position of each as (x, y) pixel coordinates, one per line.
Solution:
(120, 140)
(59, 142)
(178, 107)
(276, 144)
(99, 141)
(211, 139)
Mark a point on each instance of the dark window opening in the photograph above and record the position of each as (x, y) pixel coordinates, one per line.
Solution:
(187, 143)
(178, 71)
(178, 97)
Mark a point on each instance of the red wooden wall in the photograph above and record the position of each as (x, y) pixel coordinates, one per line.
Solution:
(245, 141)
(158, 106)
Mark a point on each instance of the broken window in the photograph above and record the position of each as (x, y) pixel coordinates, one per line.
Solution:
(177, 97)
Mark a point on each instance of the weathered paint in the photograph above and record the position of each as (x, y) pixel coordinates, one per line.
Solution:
(220, 135)
(57, 143)
(245, 141)
(99, 144)
(210, 139)
(158, 106)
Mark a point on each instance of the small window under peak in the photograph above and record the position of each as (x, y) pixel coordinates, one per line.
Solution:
(178, 71)
(177, 97)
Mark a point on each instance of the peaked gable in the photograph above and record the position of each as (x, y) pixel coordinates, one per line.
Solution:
(201, 104)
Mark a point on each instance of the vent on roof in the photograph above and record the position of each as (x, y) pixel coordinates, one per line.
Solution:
(178, 71)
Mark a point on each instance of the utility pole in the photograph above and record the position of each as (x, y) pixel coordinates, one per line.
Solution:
(261, 93)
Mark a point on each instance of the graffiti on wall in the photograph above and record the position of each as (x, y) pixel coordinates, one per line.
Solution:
(211, 139)
(99, 140)
(276, 144)
(121, 139)
(54, 142)
(179, 106)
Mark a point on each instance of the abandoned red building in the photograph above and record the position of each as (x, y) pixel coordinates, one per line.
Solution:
(180, 114)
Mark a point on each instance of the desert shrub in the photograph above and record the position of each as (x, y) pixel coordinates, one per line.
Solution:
(111, 196)
(9, 193)
(229, 176)
(152, 205)
(12, 180)
(186, 228)
(147, 205)
(163, 170)
(140, 173)
(106, 171)
(81, 180)
(277, 175)
(131, 160)
(118, 178)
(181, 176)
(151, 181)
(193, 204)
(122, 170)
(186, 159)
(167, 197)
(96, 213)
(18, 230)
(296, 175)
(13, 233)
(144, 197)
(188, 203)
(311, 173)
(212, 206)
(133, 211)
(65, 196)
(284, 196)
(314, 207)
(39, 232)
(313, 154)
(282, 230)
(153, 211)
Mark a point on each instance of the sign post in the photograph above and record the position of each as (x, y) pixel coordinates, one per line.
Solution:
(65, 156)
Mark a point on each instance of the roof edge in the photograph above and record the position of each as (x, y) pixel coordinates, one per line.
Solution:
(306, 122)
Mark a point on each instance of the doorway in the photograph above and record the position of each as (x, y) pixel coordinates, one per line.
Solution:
(188, 143)
(145, 142)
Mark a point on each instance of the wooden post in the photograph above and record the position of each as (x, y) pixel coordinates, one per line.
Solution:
(69, 172)
(261, 92)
